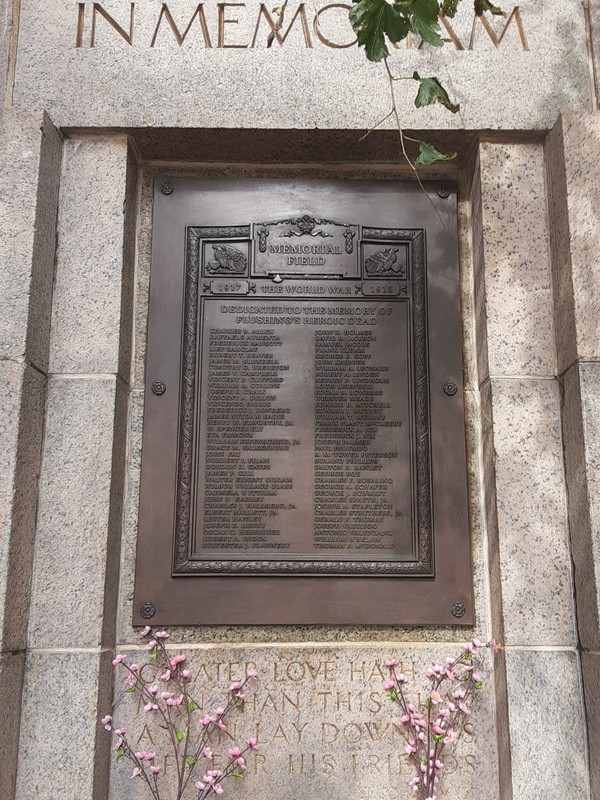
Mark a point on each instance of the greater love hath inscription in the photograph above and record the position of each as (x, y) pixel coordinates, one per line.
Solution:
(322, 719)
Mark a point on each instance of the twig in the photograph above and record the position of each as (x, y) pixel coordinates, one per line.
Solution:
(394, 111)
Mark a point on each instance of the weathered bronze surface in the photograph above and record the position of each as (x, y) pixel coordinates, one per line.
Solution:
(308, 465)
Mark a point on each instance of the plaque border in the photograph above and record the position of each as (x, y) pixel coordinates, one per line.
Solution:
(183, 563)
(272, 599)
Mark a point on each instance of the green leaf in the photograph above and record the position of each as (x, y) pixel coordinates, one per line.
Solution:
(424, 15)
(449, 7)
(372, 21)
(481, 6)
(429, 155)
(438, 737)
(180, 735)
(153, 654)
(192, 704)
(120, 753)
(130, 690)
(238, 774)
(431, 91)
(479, 685)
(190, 761)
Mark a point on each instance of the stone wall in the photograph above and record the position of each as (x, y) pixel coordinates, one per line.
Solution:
(76, 225)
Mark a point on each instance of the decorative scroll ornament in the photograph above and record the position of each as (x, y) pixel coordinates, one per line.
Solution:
(262, 240)
(349, 236)
(228, 261)
(384, 262)
(306, 227)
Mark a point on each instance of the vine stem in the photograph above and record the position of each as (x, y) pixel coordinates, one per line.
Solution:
(403, 137)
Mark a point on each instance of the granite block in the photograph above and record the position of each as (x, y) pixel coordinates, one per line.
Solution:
(532, 513)
(20, 452)
(86, 314)
(142, 279)
(240, 82)
(517, 260)
(30, 167)
(560, 249)
(480, 333)
(62, 746)
(590, 665)
(547, 725)
(11, 683)
(322, 720)
(580, 437)
(74, 544)
(581, 135)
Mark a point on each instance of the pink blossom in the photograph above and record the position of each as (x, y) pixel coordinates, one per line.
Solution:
(176, 660)
(234, 686)
(134, 667)
(121, 731)
(200, 786)
(155, 770)
(166, 676)
(153, 689)
(218, 788)
(118, 659)
(166, 695)
(208, 753)
(240, 695)
(137, 771)
(393, 662)
(206, 721)
(151, 645)
(106, 722)
(251, 673)
(186, 674)
(234, 752)
(175, 701)
(495, 646)
(464, 708)
(476, 677)
(410, 748)
(221, 725)
(450, 737)
(128, 682)
(389, 685)
(150, 707)
(401, 678)
(252, 742)
(161, 635)
(146, 631)
(436, 697)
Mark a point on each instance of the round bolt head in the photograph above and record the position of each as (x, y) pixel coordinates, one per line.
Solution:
(458, 610)
(159, 387)
(450, 388)
(147, 610)
(167, 188)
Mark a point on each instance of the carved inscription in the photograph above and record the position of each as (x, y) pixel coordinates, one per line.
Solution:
(138, 25)
(322, 720)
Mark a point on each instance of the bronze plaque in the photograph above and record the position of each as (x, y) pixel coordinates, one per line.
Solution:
(293, 453)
